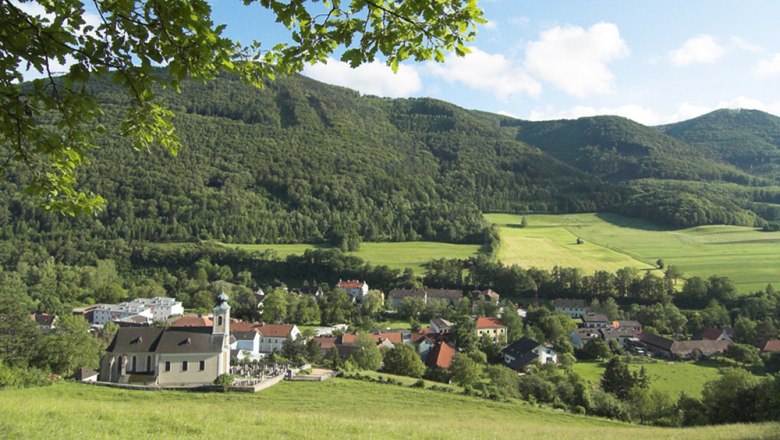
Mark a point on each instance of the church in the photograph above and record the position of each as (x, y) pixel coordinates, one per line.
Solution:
(172, 356)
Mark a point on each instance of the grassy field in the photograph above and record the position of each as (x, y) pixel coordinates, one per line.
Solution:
(746, 255)
(400, 255)
(672, 377)
(337, 408)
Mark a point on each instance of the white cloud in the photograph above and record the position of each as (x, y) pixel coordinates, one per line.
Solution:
(699, 49)
(768, 66)
(575, 59)
(374, 78)
(490, 73)
(490, 25)
(742, 44)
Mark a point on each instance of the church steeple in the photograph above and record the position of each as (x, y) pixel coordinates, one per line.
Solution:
(221, 324)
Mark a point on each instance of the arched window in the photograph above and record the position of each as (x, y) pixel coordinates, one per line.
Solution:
(219, 321)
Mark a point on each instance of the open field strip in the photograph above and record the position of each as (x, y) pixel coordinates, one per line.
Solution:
(399, 255)
(338, 408)
(749, 257)
(671, 377)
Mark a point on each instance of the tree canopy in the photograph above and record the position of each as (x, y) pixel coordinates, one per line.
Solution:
(48, 125)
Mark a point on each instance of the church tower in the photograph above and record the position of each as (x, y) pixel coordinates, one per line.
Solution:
(221, 324)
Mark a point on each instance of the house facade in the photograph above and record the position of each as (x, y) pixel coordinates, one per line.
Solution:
(449, 296)
(354, 288)
(156, 309)
(523, 352)
(170, 356)
(491, 328)
(272, 336)
(575, 308)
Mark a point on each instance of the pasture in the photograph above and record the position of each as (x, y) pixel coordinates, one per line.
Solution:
(671, 377)
(398, 255)
(751, 258)
(338, 408)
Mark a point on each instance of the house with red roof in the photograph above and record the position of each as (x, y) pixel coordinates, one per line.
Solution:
(354, 288)
(770, 346)
(440, 356)
(272, 336)
(491, 328)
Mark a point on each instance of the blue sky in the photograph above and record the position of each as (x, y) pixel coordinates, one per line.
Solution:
(653, 61)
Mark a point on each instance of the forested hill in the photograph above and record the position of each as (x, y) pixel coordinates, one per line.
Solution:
(301, 161)
(748, 139)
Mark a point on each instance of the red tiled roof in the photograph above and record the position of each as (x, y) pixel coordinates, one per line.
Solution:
(771, 346)
(275, 330)
(486, 322)
(711, 333)
(350, 284)
(192, 321)
(241, 326)
(325, 342)
(421, 334)
(441, 356)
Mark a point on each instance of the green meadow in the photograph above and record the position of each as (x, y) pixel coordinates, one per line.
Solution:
(746, 255)
(671, 377)
(396, 255)
(338, 408)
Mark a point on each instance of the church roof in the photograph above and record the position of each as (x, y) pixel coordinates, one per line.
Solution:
(165, 340)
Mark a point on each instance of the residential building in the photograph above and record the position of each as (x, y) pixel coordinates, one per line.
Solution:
(682, 349)
(45, 322)
(451, 297)
(489, 296)
(272, 336)
(440, 355)
(440, 325)
(354, 288)
(521, 353)
(157, 309)
(595, 320)
(315, 291)
(627, 325)
(170, 356)
(771, 346)
(713, 334)
(575, 308)
(491, 328)
(580, 336)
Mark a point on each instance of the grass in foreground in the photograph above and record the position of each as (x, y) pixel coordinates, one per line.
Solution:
(672, 377)
(746, 255)
(412, 254)
(337, 408)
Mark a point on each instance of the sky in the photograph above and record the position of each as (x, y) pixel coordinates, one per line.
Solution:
(654, 61)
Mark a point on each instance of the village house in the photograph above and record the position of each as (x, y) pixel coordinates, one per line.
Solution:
(451, 297)
(489, 296)
(575, 308)
(45, 321)
(595, 320)
(713, 334)
(491, 328)
(170, 356)
(440, 325)
(354, 288)
(272, 336)
(580, 336)
(440, 355)
(156, 309)
(521, 353)
(315, 291)
(627, 325)
(771, 346)
(682, 349)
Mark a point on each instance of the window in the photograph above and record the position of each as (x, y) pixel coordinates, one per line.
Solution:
(219, 321)
(202, 365)
(184, 366)
(148, 363)
(135, 364)
(167, 365)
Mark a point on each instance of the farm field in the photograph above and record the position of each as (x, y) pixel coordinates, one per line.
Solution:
(749, 257)
(337, 408)
(398, 255)
(672, 377)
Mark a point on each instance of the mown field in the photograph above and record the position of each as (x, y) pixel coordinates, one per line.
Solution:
(399, 255)
(672, 377)
(746, 255)
(338, 408)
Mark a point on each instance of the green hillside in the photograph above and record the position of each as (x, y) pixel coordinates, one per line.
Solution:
(334, 409)
(748, 256)
(748, 139)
